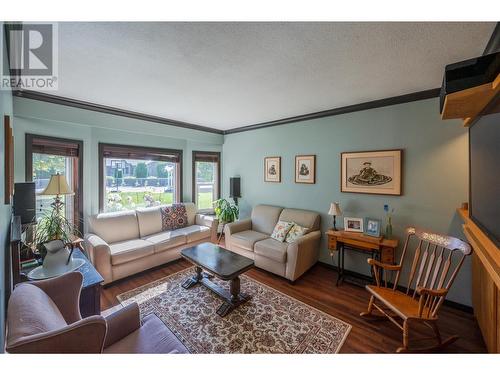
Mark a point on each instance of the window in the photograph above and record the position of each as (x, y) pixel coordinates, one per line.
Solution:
(46, 156)
(206, 179)
(132, 177)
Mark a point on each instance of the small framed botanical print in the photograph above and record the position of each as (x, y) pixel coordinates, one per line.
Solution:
(272, 169)
(371, 172)
(353, 224)
(305, 169)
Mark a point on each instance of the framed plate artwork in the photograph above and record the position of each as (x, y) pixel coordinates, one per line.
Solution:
(272, 169)
(371, 172)
(305, 169)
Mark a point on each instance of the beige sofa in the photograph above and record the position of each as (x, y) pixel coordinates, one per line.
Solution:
(124, 243)
(251, 238)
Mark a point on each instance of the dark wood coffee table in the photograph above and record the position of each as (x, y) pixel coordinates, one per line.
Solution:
(223, 264)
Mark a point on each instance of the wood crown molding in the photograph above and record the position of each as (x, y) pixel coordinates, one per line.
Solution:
(49, 98)
(415, 96)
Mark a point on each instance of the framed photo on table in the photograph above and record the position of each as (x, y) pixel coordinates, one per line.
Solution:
(373, 227)
(372, 172)
(305, 169)
(353, 224)
(272, 169)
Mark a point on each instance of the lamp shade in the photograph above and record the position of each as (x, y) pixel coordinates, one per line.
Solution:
(335, 209)
(57, 186)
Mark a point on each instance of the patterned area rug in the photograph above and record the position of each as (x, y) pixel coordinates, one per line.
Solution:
(270, 322)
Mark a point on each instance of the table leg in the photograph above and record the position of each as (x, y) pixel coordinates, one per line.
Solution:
(340, 265)
(234, 289)
(192, 281)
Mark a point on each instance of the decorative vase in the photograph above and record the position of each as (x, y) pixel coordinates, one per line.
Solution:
(388, 228)
(57, 256)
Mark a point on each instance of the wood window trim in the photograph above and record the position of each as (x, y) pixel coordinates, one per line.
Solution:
(210, 156)
(30, 139)
(143, 151)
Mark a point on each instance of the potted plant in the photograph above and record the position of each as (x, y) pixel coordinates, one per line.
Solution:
(226, 212)
(52, 226)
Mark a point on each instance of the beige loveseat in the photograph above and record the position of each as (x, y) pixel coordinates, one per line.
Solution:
(252, 238)
(124, 243)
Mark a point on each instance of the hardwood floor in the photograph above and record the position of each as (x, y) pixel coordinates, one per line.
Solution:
(317, 288)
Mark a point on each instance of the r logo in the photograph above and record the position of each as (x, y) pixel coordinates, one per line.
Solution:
(31, 55)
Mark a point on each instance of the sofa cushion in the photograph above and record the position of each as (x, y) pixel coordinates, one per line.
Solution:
(149, 220)
(166, 240)
(247, 238)
(281, 230)
(304, 218)
(195, 232)
(31, 311)
(191, 212)
(152, 338)
(173, 217)
(265, 217)
(125, 251)
(295, 233)
(115, 226)
(272, 249)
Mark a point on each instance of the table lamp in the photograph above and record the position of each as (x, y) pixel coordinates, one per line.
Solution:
(334, 211)
(57, 186)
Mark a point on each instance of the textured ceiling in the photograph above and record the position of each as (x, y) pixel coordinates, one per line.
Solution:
(226, 75)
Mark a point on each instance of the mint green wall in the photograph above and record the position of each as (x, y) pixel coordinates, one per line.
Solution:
(5, 109)
(435, 171)
(93, 127)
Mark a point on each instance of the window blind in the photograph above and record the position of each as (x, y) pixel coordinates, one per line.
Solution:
(53, 147)
(140, 153)
(207, 156)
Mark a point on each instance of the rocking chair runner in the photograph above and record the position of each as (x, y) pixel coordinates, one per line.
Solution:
(435, 265)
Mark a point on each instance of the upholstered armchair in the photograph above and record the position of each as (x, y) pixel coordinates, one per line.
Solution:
(44, 317)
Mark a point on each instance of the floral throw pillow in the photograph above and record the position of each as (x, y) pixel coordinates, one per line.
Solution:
(280, 230)
(173, 217)
(295, 233)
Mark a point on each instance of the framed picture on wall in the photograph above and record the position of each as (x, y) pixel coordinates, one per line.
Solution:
(371, 172)
(305, 169)
(272, 169)
(8, 161)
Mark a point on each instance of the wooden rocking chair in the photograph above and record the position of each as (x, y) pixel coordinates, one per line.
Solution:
(435, 265)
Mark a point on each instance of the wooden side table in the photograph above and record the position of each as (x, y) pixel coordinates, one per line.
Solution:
(378, 247)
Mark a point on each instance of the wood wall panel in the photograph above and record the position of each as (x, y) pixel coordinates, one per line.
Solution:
(485, 303)
(485, 283)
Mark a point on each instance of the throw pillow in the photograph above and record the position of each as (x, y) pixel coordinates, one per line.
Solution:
(295, 233)
(280, 230)
(173, 217)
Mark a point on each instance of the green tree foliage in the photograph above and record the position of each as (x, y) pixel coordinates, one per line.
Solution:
(46, 165)
(161, 170)
(204, 171)
(141, 170)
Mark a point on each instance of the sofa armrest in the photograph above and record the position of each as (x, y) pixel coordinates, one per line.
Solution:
(302, 254)
(122, 323)
(210, 221)
(237, 226)
(65, 291)
(100, 255)
(84, 336)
